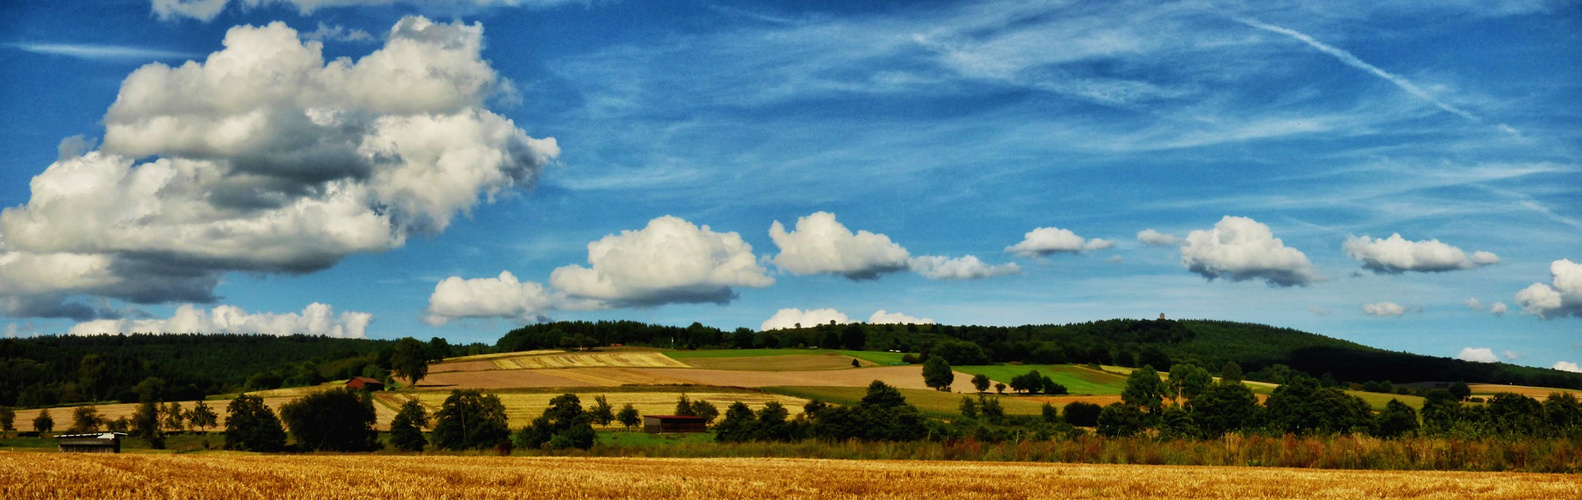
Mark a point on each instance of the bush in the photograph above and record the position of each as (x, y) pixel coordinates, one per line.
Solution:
(563, 425)
(339, 419)
(1120, 420)
(406, 431)
(1082, 414)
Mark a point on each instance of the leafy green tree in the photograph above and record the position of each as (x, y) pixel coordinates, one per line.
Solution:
(773, 424)
(739, 424)
(1225, 407)
(1230, 373)
(7, 421)
(173, 417)
(563, 425)
(202, 417)
(855, 363)
(410, 360)
(85, 419)
(118, 425)
(469, 419)
(1081, 414)
(1144, 389)
(1120, 420)
(968, 408)
(999, 387)
(252, 426)
(959, 352)
(937, 374)
(981, 382)
(629, 417)
(1187, 381)
(1460, 391)
(1049, 413)
(340, 419)
(1396, 420)
(438, 349)
(1562, 415)
(882, 415)
(1513, 414)
(406, 431)
(705, 410)
(684, 406)
(146, 424)
(991, 409)
(603, 413)
(43, 423)
(1176, 422)
(1302, 407)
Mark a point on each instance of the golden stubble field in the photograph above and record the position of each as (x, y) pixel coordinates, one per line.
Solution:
(321, 477)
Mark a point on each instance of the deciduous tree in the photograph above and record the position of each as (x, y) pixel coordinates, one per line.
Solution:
(340, 419)
(629, 417)
(410, 360)
(937, 373)
(252, 426)
(406, 431)
(470, 420)
(981, 382)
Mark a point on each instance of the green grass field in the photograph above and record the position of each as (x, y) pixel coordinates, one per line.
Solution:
(877, 357)
(1077, 379)
(639, 438)
(931, 402)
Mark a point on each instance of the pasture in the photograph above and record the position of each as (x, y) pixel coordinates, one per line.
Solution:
(1077, 379)
(28, 475)
(927, 400)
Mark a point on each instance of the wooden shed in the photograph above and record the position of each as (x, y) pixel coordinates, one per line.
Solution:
(365, 383)
(102, 442)
(655, 424)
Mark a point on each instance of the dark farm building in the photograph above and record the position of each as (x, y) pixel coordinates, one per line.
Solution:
(655, 424)
(365, 384)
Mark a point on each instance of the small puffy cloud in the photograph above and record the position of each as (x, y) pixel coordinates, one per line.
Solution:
(1046, 241)
(1567, 366)
(499, 297)
(1498, 309)
(316, 319)
(1241, 249)
(1156, 238)
(790, 318)
(962, 268)
(1395, 255)
(1384, 309)
(1320, 311)
(337, 33)
(1478, 354)
(1561, 298)
(1474, 304)
(668, 261)
(1512, 355)
(265, 157)
(820, 244)
(882, 317)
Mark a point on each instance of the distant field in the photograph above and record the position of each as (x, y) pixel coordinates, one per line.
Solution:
(928, 400)
(62, 415)
(28, 475)
(875, 357)
(522, 408)
(621, 359)
(1539, 393)
(1077, 379)
(805, 362)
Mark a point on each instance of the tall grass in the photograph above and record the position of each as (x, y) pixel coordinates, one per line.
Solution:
(1333, 452)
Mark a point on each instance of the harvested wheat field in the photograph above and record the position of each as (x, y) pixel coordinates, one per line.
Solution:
(558, 377)
(522, 408)
(794, 362)
(137, 476)
(619, 359)
(1538, 393)
(62, 415)
(905, 377)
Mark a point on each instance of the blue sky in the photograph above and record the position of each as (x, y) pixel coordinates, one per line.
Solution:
(371, 168)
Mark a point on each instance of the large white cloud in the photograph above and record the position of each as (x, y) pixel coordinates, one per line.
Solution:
(1478, 354)
(1240, 249)
(316, 319)
(499, 297)
(792, 318)
(882, 317)
(820, 244)
(266, 157)
(1567, 366)
(1384, 309)
(668, 261)
(936, 267)
(205, 10)
(1395, 255)
(1562, 298)
(1046, 241)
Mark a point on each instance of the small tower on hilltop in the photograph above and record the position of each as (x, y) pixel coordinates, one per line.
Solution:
(1161, 316)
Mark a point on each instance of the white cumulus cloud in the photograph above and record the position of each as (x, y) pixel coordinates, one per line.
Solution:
(1478, 354)
(1046, 241)
(1384, 309)
(1563, 297)
(207, 10)
(316, 319)
(1395, 255)
(961, 268)
(790, 318)
(265, 157)
(1241, 249)
(499, 297)
(668, 261)
(882, 317)
(1156, 238)
(1567, 366)
(820, 244)
(1498, 309)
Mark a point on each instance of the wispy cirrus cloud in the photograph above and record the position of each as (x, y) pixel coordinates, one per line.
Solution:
(102, 52)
